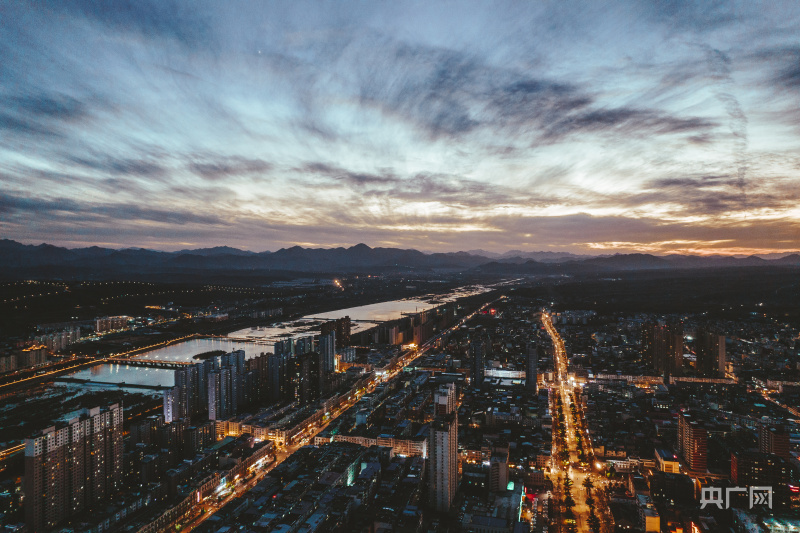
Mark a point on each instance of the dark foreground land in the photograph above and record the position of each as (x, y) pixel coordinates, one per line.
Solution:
(723, 293)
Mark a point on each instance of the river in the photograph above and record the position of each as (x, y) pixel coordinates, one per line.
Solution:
(260, 339)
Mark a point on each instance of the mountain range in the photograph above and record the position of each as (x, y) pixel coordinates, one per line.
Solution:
(21, 260)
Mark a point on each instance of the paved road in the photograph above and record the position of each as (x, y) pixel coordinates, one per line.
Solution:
(565, 389)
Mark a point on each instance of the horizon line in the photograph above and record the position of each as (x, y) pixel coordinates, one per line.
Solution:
(711, 252)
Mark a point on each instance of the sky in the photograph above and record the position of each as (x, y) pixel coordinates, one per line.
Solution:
(584, 127)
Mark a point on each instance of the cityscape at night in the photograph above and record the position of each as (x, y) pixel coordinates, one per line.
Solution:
(399, 267)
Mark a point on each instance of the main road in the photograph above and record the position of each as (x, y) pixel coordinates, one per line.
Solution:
(574, 471)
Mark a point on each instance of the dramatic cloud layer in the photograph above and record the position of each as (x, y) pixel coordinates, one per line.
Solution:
(585, 127)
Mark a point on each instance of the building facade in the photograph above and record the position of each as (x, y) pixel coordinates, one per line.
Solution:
(693, 443)
(710, 351)
(476, 352)
(774, 440)
(531, 367)
(445, 399)
(662, 347)
(443, 461)
(72, 467)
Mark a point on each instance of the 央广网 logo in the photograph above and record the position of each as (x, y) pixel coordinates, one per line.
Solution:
(714, 496)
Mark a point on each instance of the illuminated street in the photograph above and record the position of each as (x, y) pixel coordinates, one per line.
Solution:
(570, 469)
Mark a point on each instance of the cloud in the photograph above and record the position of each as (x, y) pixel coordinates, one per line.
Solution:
(10, 204)
(788, 59)
(580, 229)
(345, 176)
(40, 115)
(448, 189)
(685, 15)
(226, 167)
(25, 127)
(784, 64)
(535, 102)
(720, 65)
(450, 94)
(58, 106)
(790, 77)
(126, 167)
(627, 121)
(701, 182)
(712, 195)
(150, 19)
(430, 86)
(73, 211)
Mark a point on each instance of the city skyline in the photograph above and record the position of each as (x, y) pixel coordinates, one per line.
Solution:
(567, 128)
(150, 391)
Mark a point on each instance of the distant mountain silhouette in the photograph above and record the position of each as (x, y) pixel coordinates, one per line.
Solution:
(217, 250)
(793, 260)
(45, 260)
(518, 256)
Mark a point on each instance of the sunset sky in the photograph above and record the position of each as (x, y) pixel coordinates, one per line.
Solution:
(582, 127)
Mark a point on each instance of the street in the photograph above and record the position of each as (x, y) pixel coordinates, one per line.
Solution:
(572, 458)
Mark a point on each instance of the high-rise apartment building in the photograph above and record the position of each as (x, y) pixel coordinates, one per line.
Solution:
(32, 356)
(110, 323)
(311, 379)
(226, 386)
(172, 405)
(662, 347)
(257, 389)
(234, 360)
(327, 352)
(477, 352)
(292, 378)
(445, 399)
(693, 442)
(276, 376)
(187, 379)
(144, 431)
(301, 368)
(710, 351)
(73, 467)
(203, 370)
(774, 440)
(756, 469)
(348, 354)
(444, 447)
(220, 395)
(8, 363)
(498, 471)
(443, 461)
(304, 345)
(57, 341)
(340, 326)
(185, 398)
(531, 367)
(198, 437)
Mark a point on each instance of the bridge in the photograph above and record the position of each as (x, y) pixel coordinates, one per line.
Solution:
(150, 363)
(255, 340)
(121, 384)
(363, 320)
